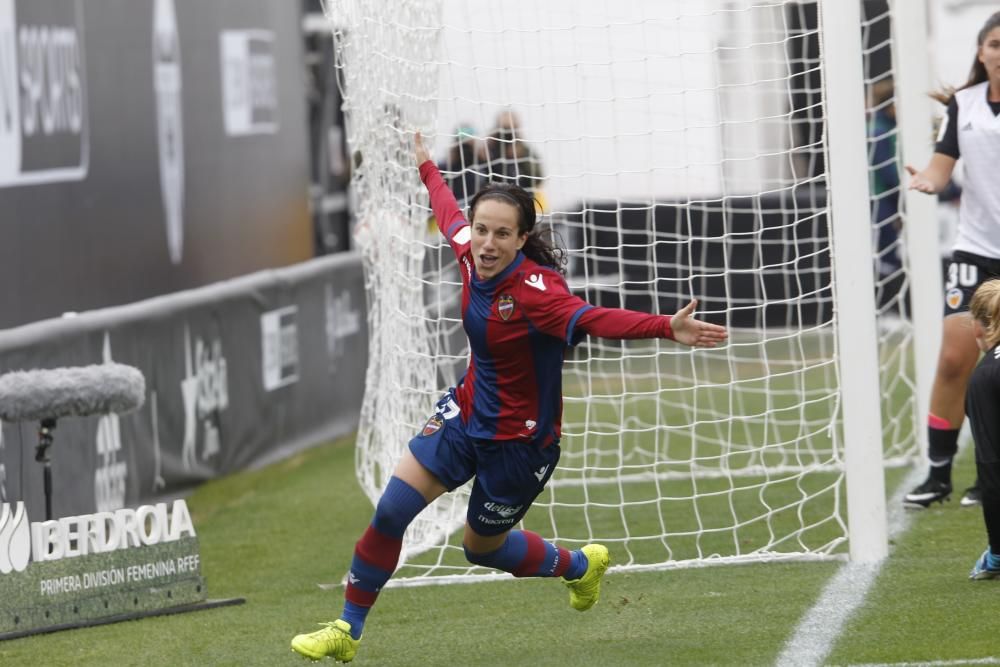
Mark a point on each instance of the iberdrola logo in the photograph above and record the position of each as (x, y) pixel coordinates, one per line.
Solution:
(22, 541)
(15, 538)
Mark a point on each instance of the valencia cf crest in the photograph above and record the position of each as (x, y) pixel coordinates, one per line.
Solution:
(954, 298)
(432, 426)
(505, 306)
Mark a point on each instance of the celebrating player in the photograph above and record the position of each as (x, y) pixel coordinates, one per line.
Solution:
(501, 424)
(971, 131)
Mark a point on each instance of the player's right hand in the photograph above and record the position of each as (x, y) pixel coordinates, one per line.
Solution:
(919, 182)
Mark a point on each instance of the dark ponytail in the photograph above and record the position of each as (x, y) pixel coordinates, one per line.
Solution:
(541, 245)
(978, 72)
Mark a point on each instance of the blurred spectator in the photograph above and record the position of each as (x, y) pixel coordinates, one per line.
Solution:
(510, 159)
(462, 168)
(884, 175)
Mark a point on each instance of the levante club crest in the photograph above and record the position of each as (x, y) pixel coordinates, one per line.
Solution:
(505, 306)
(432, 426)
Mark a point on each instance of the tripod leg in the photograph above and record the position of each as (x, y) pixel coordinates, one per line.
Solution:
(48, 490)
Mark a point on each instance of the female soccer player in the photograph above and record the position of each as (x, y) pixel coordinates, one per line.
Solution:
(972, 132)
(981, 401)
(501, 424)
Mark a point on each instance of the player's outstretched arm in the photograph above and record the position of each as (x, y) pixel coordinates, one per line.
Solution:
(693, 332)
(446, 210)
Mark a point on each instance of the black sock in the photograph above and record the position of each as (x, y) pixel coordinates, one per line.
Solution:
(942, 446)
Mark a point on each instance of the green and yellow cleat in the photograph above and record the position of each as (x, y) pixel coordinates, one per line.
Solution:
(333, 640)
(585, 591)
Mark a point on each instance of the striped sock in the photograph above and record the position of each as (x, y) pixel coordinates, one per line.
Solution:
(377, 552)
(526, 554)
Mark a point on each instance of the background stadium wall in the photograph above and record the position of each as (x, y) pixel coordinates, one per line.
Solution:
(131, 163)
(238, 374)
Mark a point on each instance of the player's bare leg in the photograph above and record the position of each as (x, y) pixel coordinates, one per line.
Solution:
(957, 358)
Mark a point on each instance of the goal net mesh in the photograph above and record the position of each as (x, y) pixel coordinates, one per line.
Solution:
(678, 149)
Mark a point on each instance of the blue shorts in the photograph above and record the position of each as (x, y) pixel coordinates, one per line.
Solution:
(509, 474)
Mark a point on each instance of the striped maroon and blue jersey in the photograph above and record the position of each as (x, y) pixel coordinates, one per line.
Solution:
(519, 324)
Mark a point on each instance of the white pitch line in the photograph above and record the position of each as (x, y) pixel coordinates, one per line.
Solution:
(937, 663)
(822, 625)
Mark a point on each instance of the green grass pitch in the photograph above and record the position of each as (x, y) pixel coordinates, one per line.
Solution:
(272, 535)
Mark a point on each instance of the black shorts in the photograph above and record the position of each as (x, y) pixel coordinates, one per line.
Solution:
(966, 272)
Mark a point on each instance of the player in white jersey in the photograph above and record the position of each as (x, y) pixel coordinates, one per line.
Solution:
(972, 132)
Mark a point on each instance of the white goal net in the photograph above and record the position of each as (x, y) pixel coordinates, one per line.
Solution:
(679, 149)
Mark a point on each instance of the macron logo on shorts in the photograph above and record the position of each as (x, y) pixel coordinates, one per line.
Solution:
(503, 510)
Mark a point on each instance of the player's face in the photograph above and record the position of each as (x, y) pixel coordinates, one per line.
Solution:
(495, 239)
(989, 55)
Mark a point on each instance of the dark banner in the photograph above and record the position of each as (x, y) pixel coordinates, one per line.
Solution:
(237, 374)
(147, 146)
(752, 262)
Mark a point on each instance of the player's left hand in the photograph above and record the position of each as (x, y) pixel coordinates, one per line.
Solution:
(694, 332)
(420, 152)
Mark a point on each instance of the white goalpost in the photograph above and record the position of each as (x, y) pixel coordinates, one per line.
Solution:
(712, 149)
